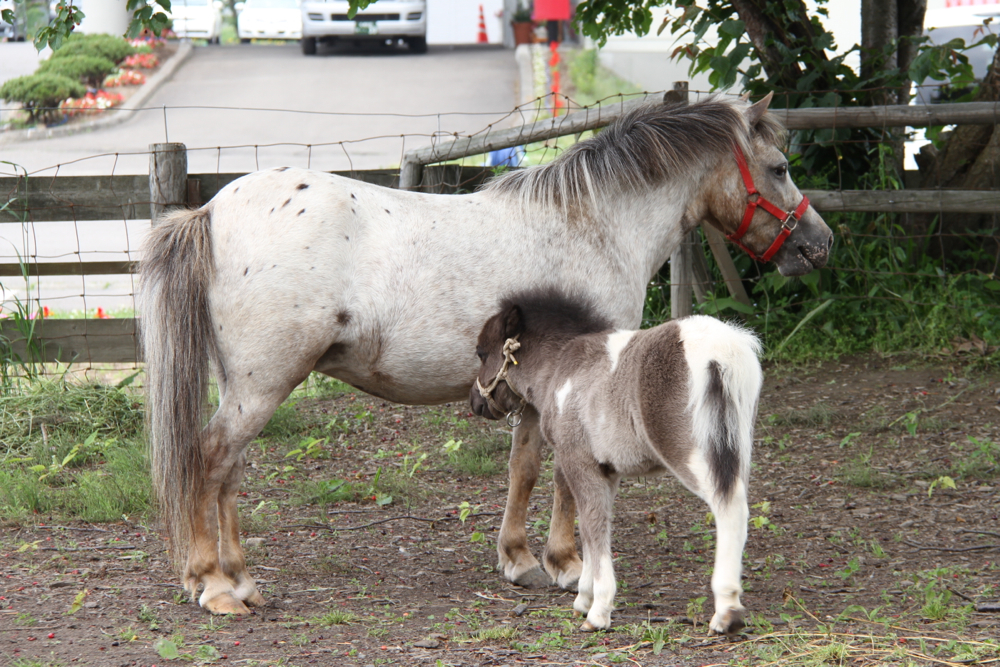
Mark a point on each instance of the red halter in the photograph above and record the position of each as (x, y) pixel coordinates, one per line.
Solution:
(755, 199)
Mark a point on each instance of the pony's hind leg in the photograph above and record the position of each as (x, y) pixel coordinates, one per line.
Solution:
(731, 516)
(561, 560)
(230, 551)
(240, 417)
(515, 559)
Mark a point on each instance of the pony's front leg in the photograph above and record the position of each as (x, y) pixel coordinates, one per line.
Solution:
(595, 497)
(515, 559)
(560, 558)
(230, 551)
(731, 535)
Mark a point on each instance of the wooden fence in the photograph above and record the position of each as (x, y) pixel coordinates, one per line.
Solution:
(137, 197)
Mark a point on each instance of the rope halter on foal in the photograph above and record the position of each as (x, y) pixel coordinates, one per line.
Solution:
(755, 199)
(510, 346)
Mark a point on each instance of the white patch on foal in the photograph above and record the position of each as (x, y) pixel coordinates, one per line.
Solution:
(562, 393)
(616, 343)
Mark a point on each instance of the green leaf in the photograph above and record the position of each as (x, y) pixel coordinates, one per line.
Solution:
(78, 601)
(993, 285)
(812, 313)
(383, 499)
(166, 649)
(733, 28)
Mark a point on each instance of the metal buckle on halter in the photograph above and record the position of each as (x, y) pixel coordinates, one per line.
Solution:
(791, 216)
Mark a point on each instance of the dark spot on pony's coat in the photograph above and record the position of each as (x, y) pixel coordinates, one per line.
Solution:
(272, 209)
(354, 212)
(311, 268)
(344, 317)
(307, 247)
(287, 202)
(240, 408)
(387, 211)
(301, 186)
(250, 373)
(347, 238)
(246, 270)
(352, 196)
(274, 266)
(220, 327)
(607, 469)
(236, 190)
(302, 211)
(282, 168)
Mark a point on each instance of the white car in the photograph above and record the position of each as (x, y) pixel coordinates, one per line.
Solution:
(383, 21)
(269, 19)
(197, 19)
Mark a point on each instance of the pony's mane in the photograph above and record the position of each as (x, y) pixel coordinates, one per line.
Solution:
(642, 148)
(550, 312)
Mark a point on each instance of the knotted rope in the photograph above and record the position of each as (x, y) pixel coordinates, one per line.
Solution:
(510, 346)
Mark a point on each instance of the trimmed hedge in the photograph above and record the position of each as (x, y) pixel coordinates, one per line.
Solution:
(91, 70)
(41, 94)
(111, 47)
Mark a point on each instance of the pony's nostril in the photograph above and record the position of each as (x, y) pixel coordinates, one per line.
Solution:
(829, 243)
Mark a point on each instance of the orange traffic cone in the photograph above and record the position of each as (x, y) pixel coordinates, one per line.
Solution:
(482, 38)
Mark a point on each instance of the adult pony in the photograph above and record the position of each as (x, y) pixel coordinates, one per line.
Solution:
(288, 271)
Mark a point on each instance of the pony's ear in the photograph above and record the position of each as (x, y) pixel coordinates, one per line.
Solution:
(513, 322)
(756, 111)
(745, 97)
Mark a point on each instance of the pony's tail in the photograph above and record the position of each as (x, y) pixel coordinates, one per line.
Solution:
(177, 341)
(725, 382)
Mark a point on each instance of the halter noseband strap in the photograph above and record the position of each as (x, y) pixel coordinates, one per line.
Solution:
(510, 346)
(789, 220)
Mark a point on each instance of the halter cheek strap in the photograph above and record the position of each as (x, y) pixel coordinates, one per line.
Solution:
(510, 346)
(789, 220)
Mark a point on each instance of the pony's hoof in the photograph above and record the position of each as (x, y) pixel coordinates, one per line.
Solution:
(225, 603)
(571, 586)
(255, 599)
(728, 623)
(534, 578)
(590, 627)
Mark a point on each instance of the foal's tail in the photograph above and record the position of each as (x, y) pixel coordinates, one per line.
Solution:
(725, 382)
(177, 342)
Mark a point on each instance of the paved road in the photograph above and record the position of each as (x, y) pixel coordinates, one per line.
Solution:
(349, 91)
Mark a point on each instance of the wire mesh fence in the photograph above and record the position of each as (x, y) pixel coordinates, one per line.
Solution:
(923, 258)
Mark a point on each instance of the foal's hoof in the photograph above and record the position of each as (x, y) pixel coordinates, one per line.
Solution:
(225, 603)
(534, 578)
(728, 623)
(590, 627)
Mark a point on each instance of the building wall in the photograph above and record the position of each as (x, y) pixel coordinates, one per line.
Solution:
(457, 21)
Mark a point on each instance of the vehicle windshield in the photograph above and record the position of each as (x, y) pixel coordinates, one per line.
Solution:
(272, 4)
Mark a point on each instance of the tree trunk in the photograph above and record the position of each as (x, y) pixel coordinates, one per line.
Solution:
(910, 16)
(969, 160)
(879, 35)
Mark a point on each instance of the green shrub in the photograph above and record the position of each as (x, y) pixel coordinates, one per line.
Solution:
(111, 47)
(91, 70)
(40, 94)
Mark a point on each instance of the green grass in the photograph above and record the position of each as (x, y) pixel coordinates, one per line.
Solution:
(73, 449)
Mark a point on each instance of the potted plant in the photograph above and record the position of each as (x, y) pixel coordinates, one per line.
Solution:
(524, 27)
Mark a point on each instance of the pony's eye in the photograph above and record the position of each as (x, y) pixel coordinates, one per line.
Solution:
(482, 355)
(781, 171)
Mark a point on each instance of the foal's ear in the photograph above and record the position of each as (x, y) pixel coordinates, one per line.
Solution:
(756, 111)
(513, 322)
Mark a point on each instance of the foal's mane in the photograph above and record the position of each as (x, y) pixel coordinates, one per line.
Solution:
(642, 148)
(552, 313)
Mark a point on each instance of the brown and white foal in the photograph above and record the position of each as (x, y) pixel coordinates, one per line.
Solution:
(680, 397)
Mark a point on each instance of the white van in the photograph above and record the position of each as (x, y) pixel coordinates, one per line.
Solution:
(386, 21)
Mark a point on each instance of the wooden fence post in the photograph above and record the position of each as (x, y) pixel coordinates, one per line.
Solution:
(726, 266)
(681, 273)
(410, 175)
(167, 178)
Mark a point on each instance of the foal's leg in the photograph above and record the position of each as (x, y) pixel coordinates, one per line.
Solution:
(515, 559)
(230, 551)
(560, 558)
(731, 535)
(595, 496)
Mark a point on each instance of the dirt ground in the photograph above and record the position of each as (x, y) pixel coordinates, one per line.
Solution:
(860, 551)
